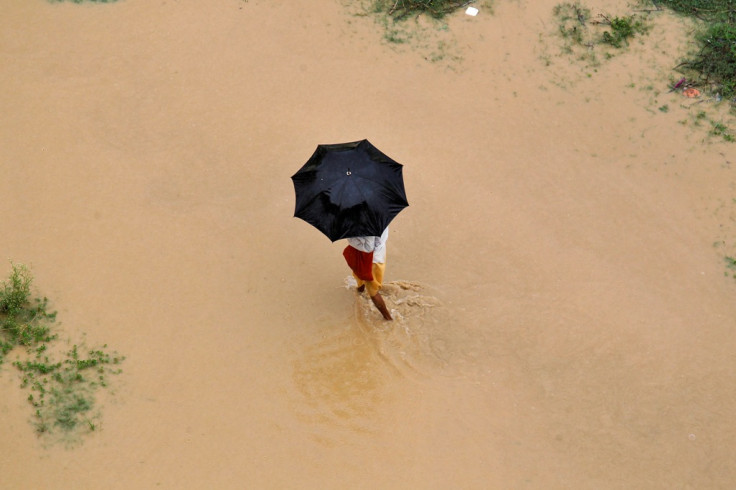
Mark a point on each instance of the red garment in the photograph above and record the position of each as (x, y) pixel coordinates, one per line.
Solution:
(361, 263)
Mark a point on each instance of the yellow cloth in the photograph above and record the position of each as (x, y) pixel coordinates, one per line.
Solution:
(377, 282)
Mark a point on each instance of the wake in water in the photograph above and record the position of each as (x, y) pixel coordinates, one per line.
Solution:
(347, 376)
(425, 338)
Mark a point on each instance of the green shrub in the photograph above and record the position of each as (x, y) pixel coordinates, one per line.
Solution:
(15, 292)
(21, 322)
(715, 61)
(622, 28)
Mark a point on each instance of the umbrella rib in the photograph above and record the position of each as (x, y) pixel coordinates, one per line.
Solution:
(365, 198)
(360, 189)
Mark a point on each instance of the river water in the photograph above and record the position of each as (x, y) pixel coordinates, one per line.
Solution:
(563, 316)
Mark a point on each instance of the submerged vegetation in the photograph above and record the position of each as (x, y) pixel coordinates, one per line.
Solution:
(621, 29)
(62, 387)
(711, 67)
(63, 391)
(401, 9)
(419, 24)
(707, 10)
(707, 74)
(730, 266)
(714, 62)
(584, 34)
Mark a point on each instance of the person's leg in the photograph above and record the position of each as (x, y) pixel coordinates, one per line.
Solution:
(374, 286)
(381, 305)
(377, 271)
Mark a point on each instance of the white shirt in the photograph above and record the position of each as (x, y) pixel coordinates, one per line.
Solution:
(375, 244)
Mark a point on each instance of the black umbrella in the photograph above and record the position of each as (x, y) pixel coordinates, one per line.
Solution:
(348, 190)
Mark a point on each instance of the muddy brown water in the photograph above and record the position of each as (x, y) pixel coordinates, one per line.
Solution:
(562, 315)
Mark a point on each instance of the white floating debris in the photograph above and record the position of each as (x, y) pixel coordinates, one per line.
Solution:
(472, 11)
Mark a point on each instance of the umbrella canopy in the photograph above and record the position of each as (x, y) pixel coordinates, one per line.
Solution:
(349, 189)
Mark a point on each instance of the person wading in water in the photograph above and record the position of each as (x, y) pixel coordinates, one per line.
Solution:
(366, 256)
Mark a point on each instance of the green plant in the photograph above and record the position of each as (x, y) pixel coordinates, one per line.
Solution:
(21, 321)
(731, 265)
(401, 9)
(394, 33)
(706, 10)
(15, 291)
(715, 58)
(583, 33)
(426, 33)
(62, 391)
(622, 29)
(720, 129)
(573, 18)
(576, 31)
